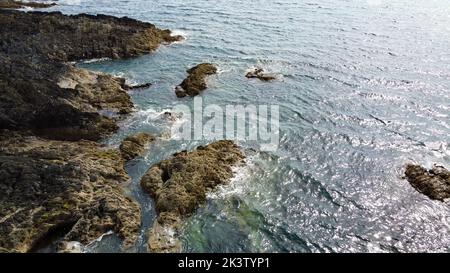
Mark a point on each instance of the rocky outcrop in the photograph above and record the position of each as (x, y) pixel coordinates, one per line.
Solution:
(180, 184)
(11, 4)
(135, 145)
(46, 95)
(49, 186)
(52, 179)
(434, 183)
(196, 80)
(260, 74)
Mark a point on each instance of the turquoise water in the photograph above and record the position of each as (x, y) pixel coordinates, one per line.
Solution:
(363, 89)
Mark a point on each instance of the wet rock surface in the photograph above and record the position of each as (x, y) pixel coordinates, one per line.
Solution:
(434, 183)
(45, 94)
(260, 74)
(139, 86)
(180, 184)
(53, 180)
(51, 185)
(135, 145)
(196, 80)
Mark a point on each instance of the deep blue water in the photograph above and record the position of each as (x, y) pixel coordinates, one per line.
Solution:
(363, 89)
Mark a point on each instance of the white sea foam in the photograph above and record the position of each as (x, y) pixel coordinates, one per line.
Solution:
(238, 185)
(181, 33)
(95, 60)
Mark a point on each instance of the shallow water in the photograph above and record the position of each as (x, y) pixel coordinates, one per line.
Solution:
(363, 89)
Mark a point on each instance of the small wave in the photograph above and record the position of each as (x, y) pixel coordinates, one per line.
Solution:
(238, 185)
(94, 60)
(26, 9)
(178, 32)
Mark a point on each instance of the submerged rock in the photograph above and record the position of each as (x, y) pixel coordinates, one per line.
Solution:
(134, 146)
(196, 80)
(434, 183)
(12, 4)
(180, 184)
(51, 186)
(260, 74)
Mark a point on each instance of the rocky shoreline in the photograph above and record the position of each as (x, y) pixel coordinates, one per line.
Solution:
(53, 176)
(57, 180)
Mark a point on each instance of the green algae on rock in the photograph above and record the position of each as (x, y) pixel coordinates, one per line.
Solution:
(180, 184)
(196, 80)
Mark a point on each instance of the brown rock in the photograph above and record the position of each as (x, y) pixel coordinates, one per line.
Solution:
(180, 184)
(44, 94)
(434, 183)
(135, 145)
(53, 186)
(260, 74)
(195, 82)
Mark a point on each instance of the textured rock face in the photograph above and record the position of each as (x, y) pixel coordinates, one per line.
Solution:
(57, 185)
(51, 98)
(48, 186)
(195, 82)
(434, 183)
(180, 184)
(71, 38)
(260, 74)
(134, 146)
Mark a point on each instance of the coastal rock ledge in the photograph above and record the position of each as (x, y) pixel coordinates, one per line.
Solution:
(44, 93)
(55, 182)
(180, 184)
(50, 187)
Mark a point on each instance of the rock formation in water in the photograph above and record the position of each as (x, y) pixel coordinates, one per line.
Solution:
(43, 93)
(48, 186)
(180, 184)
(51, 178)
(434, 183)
(196, 80)
(139, 86)
(135, 145)
(260, 74)
(12, 4)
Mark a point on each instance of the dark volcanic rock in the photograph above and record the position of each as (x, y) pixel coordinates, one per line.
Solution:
(180, 184)
(260, 74)
(48, 186)
(134, 146)
(434, 183)
(11, 4)
(43, 94)
(195, 82)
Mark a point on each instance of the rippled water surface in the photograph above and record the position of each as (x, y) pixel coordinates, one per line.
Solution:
(363, 89)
